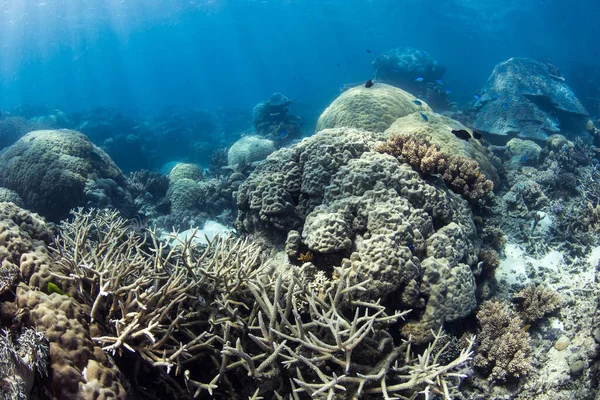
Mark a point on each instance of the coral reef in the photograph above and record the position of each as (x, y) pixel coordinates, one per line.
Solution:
(461, 174)
(249, 150)
(503, 345)
(372, 214)
(272, 121)
(373, 109)
(437, 130)
(185, 171)
(534, 302)
(529, 99)
(54, 171)
(255, 328)
(10, 196)
(23, 359)
(14, 128)
(402, 67)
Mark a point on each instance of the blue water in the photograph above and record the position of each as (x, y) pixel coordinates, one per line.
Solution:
(143, 55)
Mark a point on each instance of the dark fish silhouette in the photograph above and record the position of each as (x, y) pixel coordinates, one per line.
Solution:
(369, 83)
(424, 117)
(461, 134)
(417, 102)
(138, 223)
(369, 51)
(477, 135)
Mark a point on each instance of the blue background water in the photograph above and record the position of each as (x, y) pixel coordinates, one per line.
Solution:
(143, 55)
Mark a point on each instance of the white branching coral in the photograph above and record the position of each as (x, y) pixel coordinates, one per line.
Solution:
(281, 332)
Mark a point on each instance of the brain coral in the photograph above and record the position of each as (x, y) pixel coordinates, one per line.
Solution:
(373, 109)
(248, 150)
(367, 210)
(438, 131)
(54, 171)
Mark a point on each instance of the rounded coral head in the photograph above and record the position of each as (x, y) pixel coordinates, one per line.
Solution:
(372, 109)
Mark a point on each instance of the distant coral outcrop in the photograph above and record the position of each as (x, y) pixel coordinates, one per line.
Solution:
(54, 171)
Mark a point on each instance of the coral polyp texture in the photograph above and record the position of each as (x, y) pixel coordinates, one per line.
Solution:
(372, 109)
(373, 214)
(56, 170)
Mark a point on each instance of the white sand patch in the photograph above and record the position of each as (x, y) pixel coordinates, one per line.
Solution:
(209, 231)
(518, 266)
(594, 257)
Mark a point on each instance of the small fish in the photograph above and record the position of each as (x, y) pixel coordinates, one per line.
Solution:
(369, 83)
(282, 135)
(477, 135)
(439, 81)
(419, 79)
(53, 288)
(274, 114)
(505, 105)
(369, 51)
(424, 117)
(524, 158)
(341, 87)
(477, 96)
(502, 69)
(420, 54)
(418, 102)
(461, 134)
(138, 223)
(448, 91)
(201, 301)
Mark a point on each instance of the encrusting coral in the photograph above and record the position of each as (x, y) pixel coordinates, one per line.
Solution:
(461, 174)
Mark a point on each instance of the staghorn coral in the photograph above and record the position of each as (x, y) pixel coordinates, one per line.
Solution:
(535, 302)
(256, 330)
(372, 109)
(503, 348)
(461, 174)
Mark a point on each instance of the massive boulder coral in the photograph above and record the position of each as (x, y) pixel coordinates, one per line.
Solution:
(23, 240)
(373, 109)
(248, 150)
(54, 171)
(375, 215)
(77, 368)
(528, 99)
